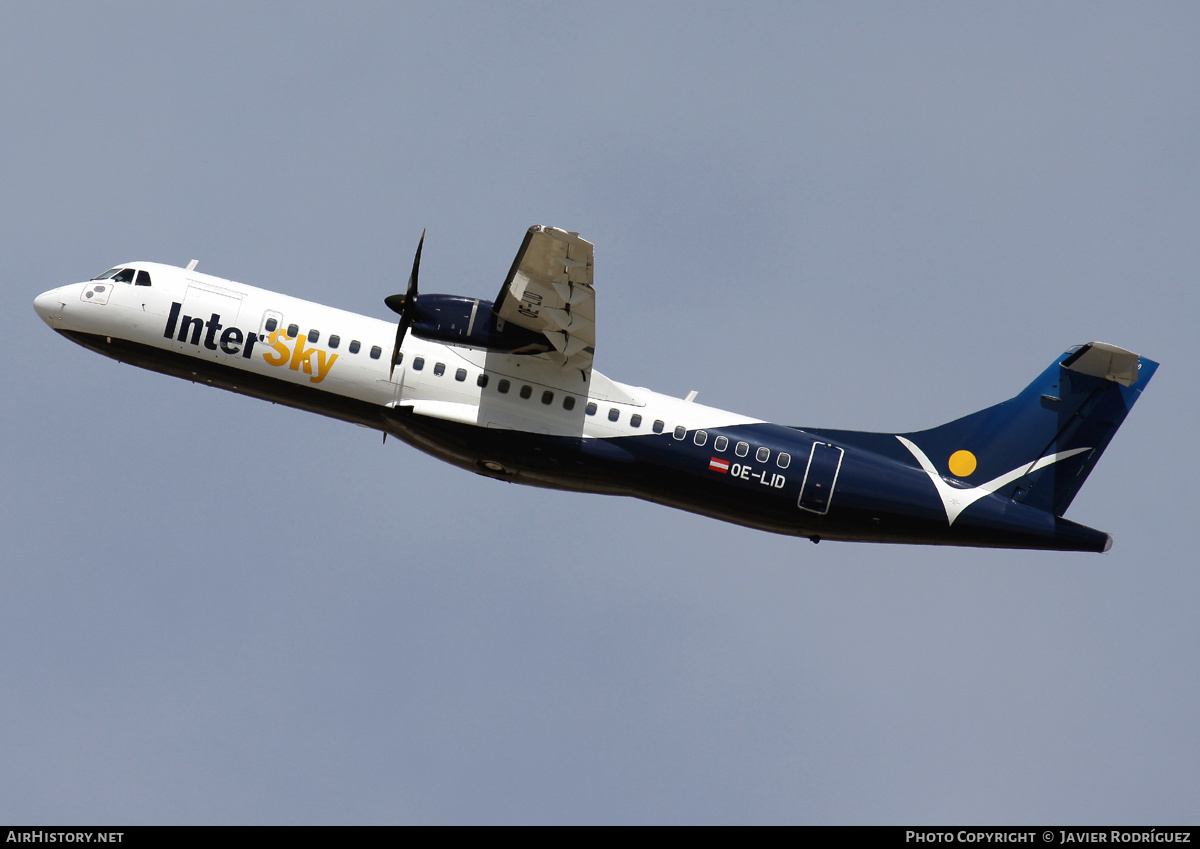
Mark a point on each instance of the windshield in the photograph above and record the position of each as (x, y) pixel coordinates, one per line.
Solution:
(126, 275)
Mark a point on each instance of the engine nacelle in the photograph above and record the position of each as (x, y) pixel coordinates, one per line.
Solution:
(472, 322)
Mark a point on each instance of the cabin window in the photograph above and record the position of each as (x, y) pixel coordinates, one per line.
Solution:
(314, 336)
(294, 331)
(460, 375)
(590, 409)
(125, 275)
(418, 363)
(354, 345)
(680, 432)
(741, 449)
(481, 381)
(763, 454)
(502, 387)
(659, 424)
(526, 391)
(143, 278)
(376, 352)
(783, 460)
(439, 369)
(720, 443)
(635, 420)
(547, 397)
(271, 325)
(400, 358)
(613, 414)
(334, 341)
(569, 402)
(700, 438)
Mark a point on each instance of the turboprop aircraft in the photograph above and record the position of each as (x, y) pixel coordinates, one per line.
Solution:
(506, 389)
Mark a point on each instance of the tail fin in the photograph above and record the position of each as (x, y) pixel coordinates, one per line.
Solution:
(1039, 447)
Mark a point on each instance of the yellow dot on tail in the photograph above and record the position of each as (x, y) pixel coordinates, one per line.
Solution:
(962, 463)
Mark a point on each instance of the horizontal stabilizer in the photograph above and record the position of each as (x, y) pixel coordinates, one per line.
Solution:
(1105, 361)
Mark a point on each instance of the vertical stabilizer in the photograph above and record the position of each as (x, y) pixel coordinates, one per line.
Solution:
(1039, 447)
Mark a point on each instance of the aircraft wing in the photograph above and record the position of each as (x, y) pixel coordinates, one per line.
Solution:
(549, 290)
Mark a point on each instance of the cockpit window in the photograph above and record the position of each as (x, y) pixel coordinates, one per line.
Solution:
(143, 279)
(107, 274)
(125, 275)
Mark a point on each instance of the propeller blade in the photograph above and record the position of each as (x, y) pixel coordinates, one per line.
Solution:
(405, 305)
(412, 278)
(401, 330)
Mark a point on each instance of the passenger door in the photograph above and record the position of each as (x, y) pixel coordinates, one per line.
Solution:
(820, 478)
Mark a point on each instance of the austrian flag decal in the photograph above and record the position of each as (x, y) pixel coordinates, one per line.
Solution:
(716, 464)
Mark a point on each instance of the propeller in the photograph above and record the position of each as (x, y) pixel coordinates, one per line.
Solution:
(405, 305)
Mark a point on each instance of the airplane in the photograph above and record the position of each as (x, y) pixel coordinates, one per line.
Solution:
(506, 389)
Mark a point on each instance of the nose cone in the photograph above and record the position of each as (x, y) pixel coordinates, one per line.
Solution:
(48, 305)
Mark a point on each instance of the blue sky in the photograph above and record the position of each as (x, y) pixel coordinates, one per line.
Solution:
(872, 216)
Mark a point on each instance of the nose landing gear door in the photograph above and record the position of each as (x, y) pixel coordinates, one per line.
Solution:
(824, 463)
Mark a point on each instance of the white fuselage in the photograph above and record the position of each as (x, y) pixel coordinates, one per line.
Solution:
(322, 349)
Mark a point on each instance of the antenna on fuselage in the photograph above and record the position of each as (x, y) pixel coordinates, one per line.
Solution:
(191, 266)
